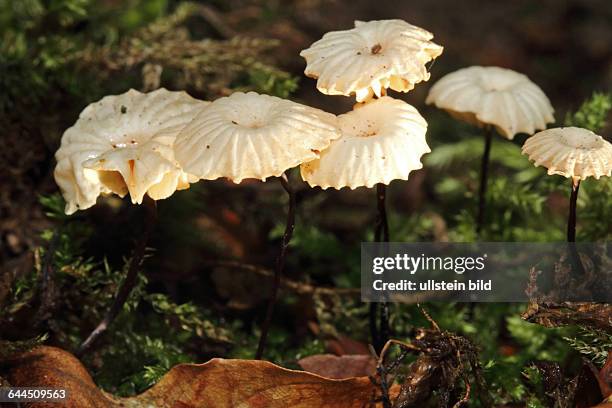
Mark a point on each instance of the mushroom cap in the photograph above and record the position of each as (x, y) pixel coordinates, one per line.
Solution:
(381, 140)
(371, 57)
(570, 152)
(248, 135)
(494, 96)
(123, 144)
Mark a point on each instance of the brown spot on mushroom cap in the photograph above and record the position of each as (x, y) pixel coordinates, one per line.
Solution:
(376, 49)
(131, 163)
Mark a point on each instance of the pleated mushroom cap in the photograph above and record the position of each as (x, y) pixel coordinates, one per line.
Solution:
(123, 144)
(371, 57)
(494, 96)
(381, 140)
(248, 135)
(570, 152)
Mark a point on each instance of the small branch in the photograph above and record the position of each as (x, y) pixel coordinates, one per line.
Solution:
(484, 173)
(128, 284)
(466, 397)
(280, 265)
(47, 288)
(301, 288)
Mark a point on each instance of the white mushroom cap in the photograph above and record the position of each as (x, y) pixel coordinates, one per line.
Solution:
(381, 141)
(570, 152)
(494, 96)
(123, 144)
(248, 135)
(371, 57)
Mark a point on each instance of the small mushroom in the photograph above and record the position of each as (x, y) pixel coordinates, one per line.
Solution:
(571, 152)
(492, 97)
(123, 144)
(368, 59)
(381, 141)
(248, 135)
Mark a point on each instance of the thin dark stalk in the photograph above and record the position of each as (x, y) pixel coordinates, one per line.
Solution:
(128, 284)
(571, 219)
(380, 333)
(280, 265)
(571, 229)
(382, 224)
(48, 292)
(484, 173)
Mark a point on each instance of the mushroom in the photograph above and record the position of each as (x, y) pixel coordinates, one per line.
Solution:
(123, 144)
(571, 152)
(381, 141)
(365, 61)
(371, 57)
(492, 97)
(248, 135)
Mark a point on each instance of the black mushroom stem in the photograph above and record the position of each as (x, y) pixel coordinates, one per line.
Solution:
(571, 219)
(484, 175)
(280, 266)
(379, 331)
(150, 219)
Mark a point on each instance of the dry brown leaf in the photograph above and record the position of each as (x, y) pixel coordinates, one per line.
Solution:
(347, 366)
(216, 384)
(342, 345)
(604, 377)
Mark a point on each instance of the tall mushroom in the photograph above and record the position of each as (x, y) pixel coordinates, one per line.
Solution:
(364, 61)
(248, 135)
(492, 97)
(574, 153)
(382, 140)
(122, 145)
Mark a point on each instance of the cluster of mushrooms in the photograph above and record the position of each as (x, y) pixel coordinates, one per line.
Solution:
(149, 145)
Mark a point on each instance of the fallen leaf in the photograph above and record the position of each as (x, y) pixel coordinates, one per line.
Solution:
(339, 367)
(218, 383)
(606, 376)
(345, 345)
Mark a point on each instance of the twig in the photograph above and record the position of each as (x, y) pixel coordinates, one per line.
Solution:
(301, 288)
(47, 289)
(128, 284)
(429, 318)
(466, 397)
(280, 265)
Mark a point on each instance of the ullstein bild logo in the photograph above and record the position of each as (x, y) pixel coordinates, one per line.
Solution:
(422, 263)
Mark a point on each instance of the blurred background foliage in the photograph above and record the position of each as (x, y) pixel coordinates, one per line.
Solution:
(217, 241)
